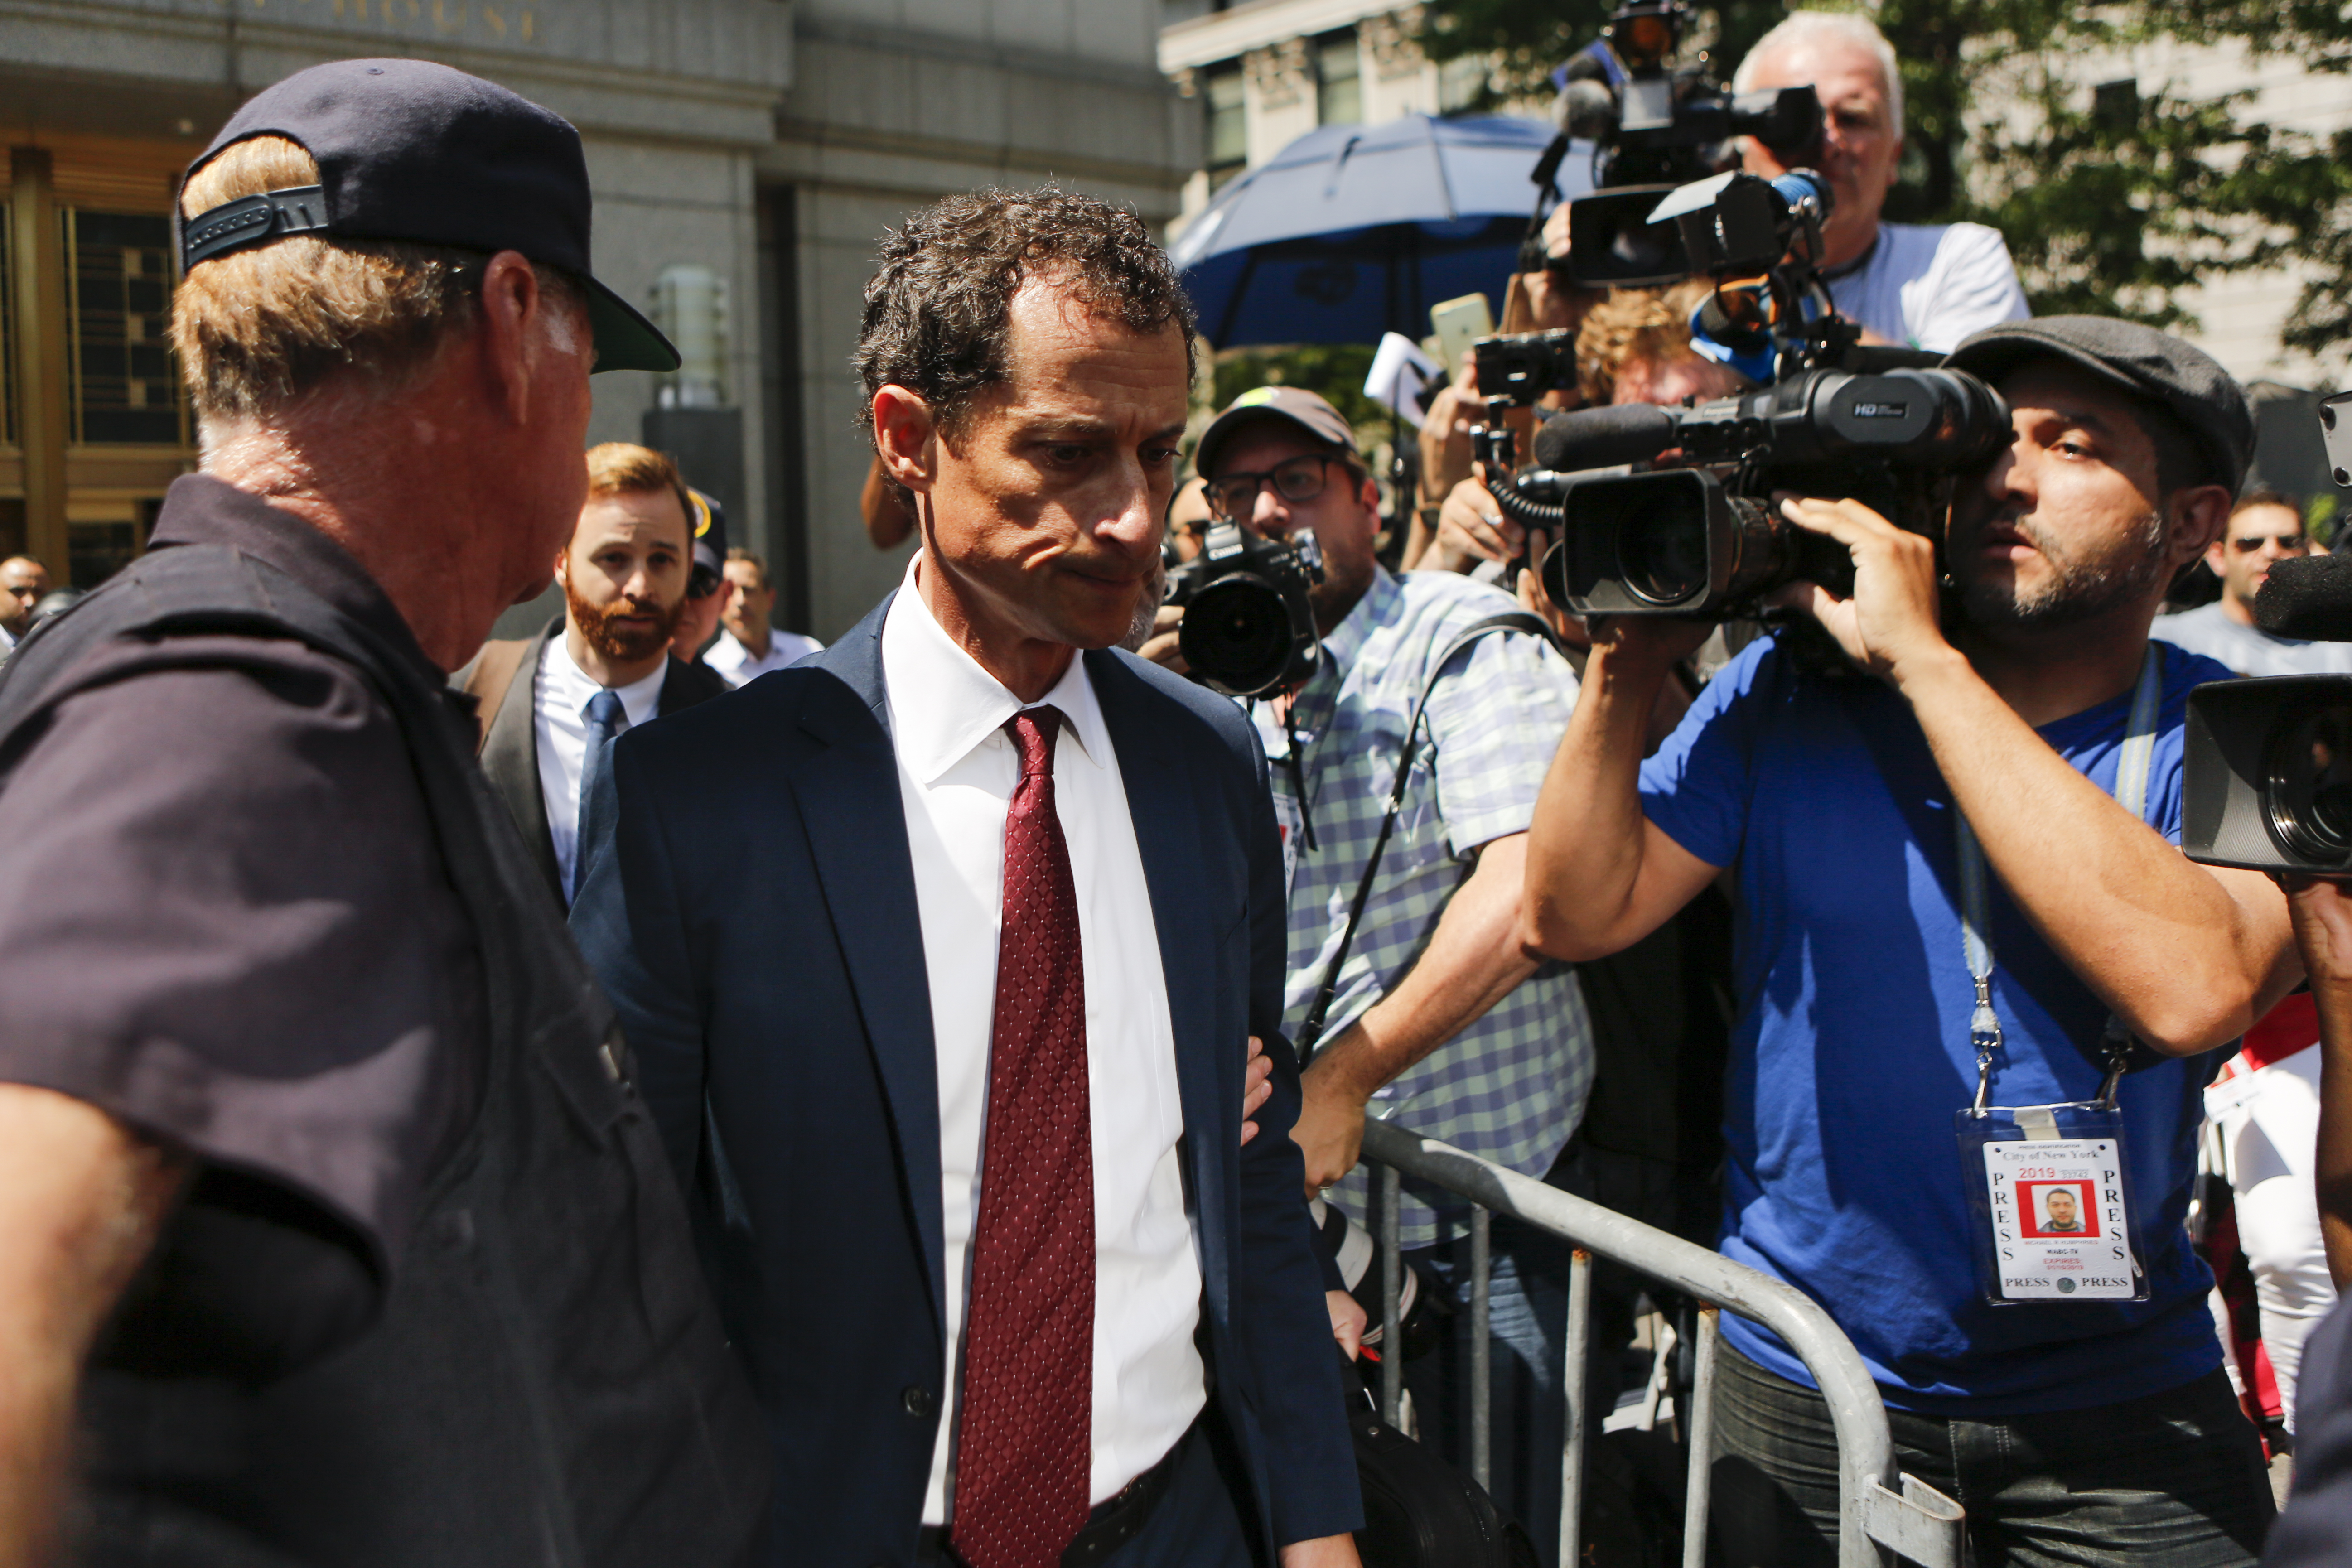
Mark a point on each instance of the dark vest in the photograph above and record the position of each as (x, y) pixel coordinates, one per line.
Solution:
(548, 1383)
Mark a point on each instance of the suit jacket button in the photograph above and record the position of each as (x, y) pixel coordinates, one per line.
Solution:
(919, 1401)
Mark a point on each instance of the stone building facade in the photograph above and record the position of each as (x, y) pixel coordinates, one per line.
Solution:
(745, 156)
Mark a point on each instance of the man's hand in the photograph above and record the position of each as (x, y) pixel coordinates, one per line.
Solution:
(1330, 1552)
(1533, 597)
(1257, 1086)
(2322, 913)
(1890, 623)
(1330, 1131)
(1349, 1320)
(1470, 528)
(81, 1200)
(1161, 649)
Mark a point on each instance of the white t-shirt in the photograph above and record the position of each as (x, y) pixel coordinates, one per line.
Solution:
(1929, 285)
(2250, 650)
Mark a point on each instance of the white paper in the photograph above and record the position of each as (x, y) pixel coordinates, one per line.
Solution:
(1400, 370)
(2060, 1232)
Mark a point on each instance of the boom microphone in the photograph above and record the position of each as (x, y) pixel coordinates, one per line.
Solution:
(2307, 596)
(1603, 438)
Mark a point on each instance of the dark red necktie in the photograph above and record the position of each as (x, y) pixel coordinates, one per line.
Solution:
(1024, 1448)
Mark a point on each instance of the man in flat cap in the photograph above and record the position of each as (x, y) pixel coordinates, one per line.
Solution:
(324, 1190)
(1893, 995)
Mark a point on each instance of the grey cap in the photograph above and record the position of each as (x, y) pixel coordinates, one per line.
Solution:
(1291, 405)
(2180, 378)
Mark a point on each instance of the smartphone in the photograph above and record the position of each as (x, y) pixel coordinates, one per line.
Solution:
(2334, 430)
(1460, 323)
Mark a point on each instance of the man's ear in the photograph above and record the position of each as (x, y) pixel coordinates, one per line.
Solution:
(2217, 555)
(2201, 516)
(903, 428)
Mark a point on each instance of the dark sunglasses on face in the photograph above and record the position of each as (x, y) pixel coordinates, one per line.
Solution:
(1294, 480)
(2248, 546)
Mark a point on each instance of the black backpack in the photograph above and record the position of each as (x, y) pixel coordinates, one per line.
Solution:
(1419, 1510)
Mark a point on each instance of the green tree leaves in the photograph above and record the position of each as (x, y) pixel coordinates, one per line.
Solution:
(2118, 192)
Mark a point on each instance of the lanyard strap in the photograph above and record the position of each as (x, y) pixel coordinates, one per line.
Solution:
(2131, 793)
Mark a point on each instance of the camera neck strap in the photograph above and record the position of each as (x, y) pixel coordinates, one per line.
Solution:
(2132, 770)
(1310, 1032)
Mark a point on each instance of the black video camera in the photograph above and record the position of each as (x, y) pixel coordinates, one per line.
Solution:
(1518, 370)
(1696, 535)
(1248, 628)
(2266, 763)
(1656, 127)
(1701, 537)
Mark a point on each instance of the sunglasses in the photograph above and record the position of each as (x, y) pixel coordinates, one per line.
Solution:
(1295, 479)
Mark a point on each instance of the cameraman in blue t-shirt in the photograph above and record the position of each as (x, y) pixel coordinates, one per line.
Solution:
(2072, 1429)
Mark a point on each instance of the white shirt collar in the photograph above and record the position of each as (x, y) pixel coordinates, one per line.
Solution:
(943, 704)
(573, 688)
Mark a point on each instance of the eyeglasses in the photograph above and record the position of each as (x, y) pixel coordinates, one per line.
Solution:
(1294, 480)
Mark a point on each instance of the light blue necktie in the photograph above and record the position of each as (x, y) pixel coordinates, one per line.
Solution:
(605, 719)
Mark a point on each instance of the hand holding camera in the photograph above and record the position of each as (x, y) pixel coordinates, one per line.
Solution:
(1886, 623)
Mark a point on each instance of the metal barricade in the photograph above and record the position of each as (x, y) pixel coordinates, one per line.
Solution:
(1878, 1505)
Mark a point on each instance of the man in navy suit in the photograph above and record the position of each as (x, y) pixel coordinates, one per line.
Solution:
(939, 955)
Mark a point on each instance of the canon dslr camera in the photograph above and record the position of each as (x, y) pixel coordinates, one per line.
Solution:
(2267, 767)
(1248, 628)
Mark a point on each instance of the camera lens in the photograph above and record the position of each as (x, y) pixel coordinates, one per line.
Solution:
(1664, 561)
(1236, 632)
(2307, 784)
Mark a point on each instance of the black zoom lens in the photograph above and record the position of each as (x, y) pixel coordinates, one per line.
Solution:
(2307, 783)
(1236, 632)
(1665, 563)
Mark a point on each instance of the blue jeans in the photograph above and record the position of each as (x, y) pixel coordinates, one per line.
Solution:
(1530, 1330)
(2172, 1480)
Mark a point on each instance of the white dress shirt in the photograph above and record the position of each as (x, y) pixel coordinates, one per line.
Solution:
(957, 771)
(559, 694)
(736, 664)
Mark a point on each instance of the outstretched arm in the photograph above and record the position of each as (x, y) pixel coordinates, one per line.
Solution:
(1473, 961)
(2322, 934)
(1599, 874)
(81, 1200)
(2187, 956)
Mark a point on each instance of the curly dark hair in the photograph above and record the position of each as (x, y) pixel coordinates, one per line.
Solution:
(938, 314)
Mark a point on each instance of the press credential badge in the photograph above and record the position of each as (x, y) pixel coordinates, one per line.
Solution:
(2059, 1230)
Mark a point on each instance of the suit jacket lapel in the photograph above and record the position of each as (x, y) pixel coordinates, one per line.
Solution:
(510, 759)
(1159, 797)
(849, 799)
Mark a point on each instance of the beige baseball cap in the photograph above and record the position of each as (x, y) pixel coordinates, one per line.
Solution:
(1295, 404)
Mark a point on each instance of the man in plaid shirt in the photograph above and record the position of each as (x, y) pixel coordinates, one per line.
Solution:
(1440, 1022)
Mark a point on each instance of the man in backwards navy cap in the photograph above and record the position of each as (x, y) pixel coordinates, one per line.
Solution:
(307, 1102)
(2073, 1428)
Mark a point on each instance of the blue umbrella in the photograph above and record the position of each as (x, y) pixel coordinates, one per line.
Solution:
(1352, 230)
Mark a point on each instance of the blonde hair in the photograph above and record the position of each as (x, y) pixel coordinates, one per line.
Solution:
(624, 468)
(1635, 323)
(259, 329)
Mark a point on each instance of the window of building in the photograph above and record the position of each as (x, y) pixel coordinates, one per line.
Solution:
(94, 422)
(124, 388)
(1339, 97)
(1228, 123)
(1460, 81)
